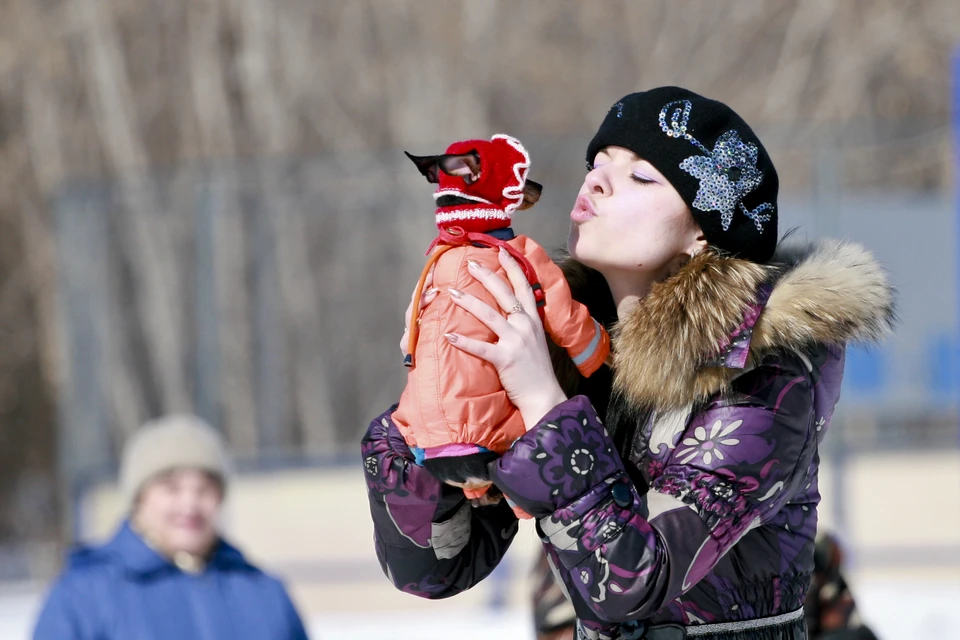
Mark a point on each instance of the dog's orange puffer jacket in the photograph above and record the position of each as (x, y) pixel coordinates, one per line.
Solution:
(453, 397)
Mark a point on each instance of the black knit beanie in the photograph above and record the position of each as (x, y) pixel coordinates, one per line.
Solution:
(710, 156)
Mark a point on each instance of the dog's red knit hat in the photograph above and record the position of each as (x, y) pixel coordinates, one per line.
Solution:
(494, 195)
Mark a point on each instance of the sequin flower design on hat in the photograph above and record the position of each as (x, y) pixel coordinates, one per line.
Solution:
(727, 173)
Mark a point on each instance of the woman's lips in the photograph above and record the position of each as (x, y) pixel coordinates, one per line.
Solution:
(189, 522)
(583, 210)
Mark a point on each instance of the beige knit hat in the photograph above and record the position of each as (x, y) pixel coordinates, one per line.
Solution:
(170, 442)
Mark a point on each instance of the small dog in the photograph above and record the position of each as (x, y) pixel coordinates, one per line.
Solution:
(454, 413)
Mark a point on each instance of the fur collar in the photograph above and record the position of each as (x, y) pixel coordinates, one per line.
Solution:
(671, 350)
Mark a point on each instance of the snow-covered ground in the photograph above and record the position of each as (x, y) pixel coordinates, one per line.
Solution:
(900, 610)
(911, 610)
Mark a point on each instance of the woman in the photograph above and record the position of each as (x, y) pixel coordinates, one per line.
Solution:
(693, 513)
(167, 573)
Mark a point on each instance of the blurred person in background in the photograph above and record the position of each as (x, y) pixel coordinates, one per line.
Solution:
(830, 608)
(168, 573)
(691, 510)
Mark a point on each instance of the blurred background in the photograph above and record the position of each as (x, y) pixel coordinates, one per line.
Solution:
(205, 206)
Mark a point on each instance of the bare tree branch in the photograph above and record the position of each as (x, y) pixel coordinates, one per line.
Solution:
(115, 120)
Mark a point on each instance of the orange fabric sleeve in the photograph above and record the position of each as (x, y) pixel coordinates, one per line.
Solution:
(567, 322)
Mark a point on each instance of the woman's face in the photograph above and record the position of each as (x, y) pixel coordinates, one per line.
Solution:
(628, 218)
(178, 511)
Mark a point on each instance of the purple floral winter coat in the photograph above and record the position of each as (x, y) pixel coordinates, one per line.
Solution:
(693, 512)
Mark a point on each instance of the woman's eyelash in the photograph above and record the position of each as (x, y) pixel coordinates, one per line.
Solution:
(633, 176)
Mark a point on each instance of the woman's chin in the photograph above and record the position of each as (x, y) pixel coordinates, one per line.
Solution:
(577, 250)
(195, 542)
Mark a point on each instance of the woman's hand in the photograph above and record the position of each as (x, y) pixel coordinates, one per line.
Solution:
(520, 354)
(429, 295)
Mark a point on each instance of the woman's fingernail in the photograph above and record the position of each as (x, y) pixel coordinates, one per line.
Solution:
(473, 264)
(452, 337)
(433, 292)
(456, 293)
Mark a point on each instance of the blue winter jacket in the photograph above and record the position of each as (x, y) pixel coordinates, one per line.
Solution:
(124, 590)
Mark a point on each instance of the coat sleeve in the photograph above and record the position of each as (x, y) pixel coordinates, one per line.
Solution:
(429, 540)
(566, 321)
(727, 470)
(61, 617)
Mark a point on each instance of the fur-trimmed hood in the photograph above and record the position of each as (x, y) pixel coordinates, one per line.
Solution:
(701, 327)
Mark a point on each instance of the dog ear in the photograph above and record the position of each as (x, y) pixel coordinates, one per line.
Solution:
(428, 166)
(465, 165)
(531, 193)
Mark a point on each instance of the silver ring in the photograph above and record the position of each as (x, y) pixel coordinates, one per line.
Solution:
(517, 308)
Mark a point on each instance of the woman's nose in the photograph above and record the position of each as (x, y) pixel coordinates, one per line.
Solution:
(596, 181)
(190, 502)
